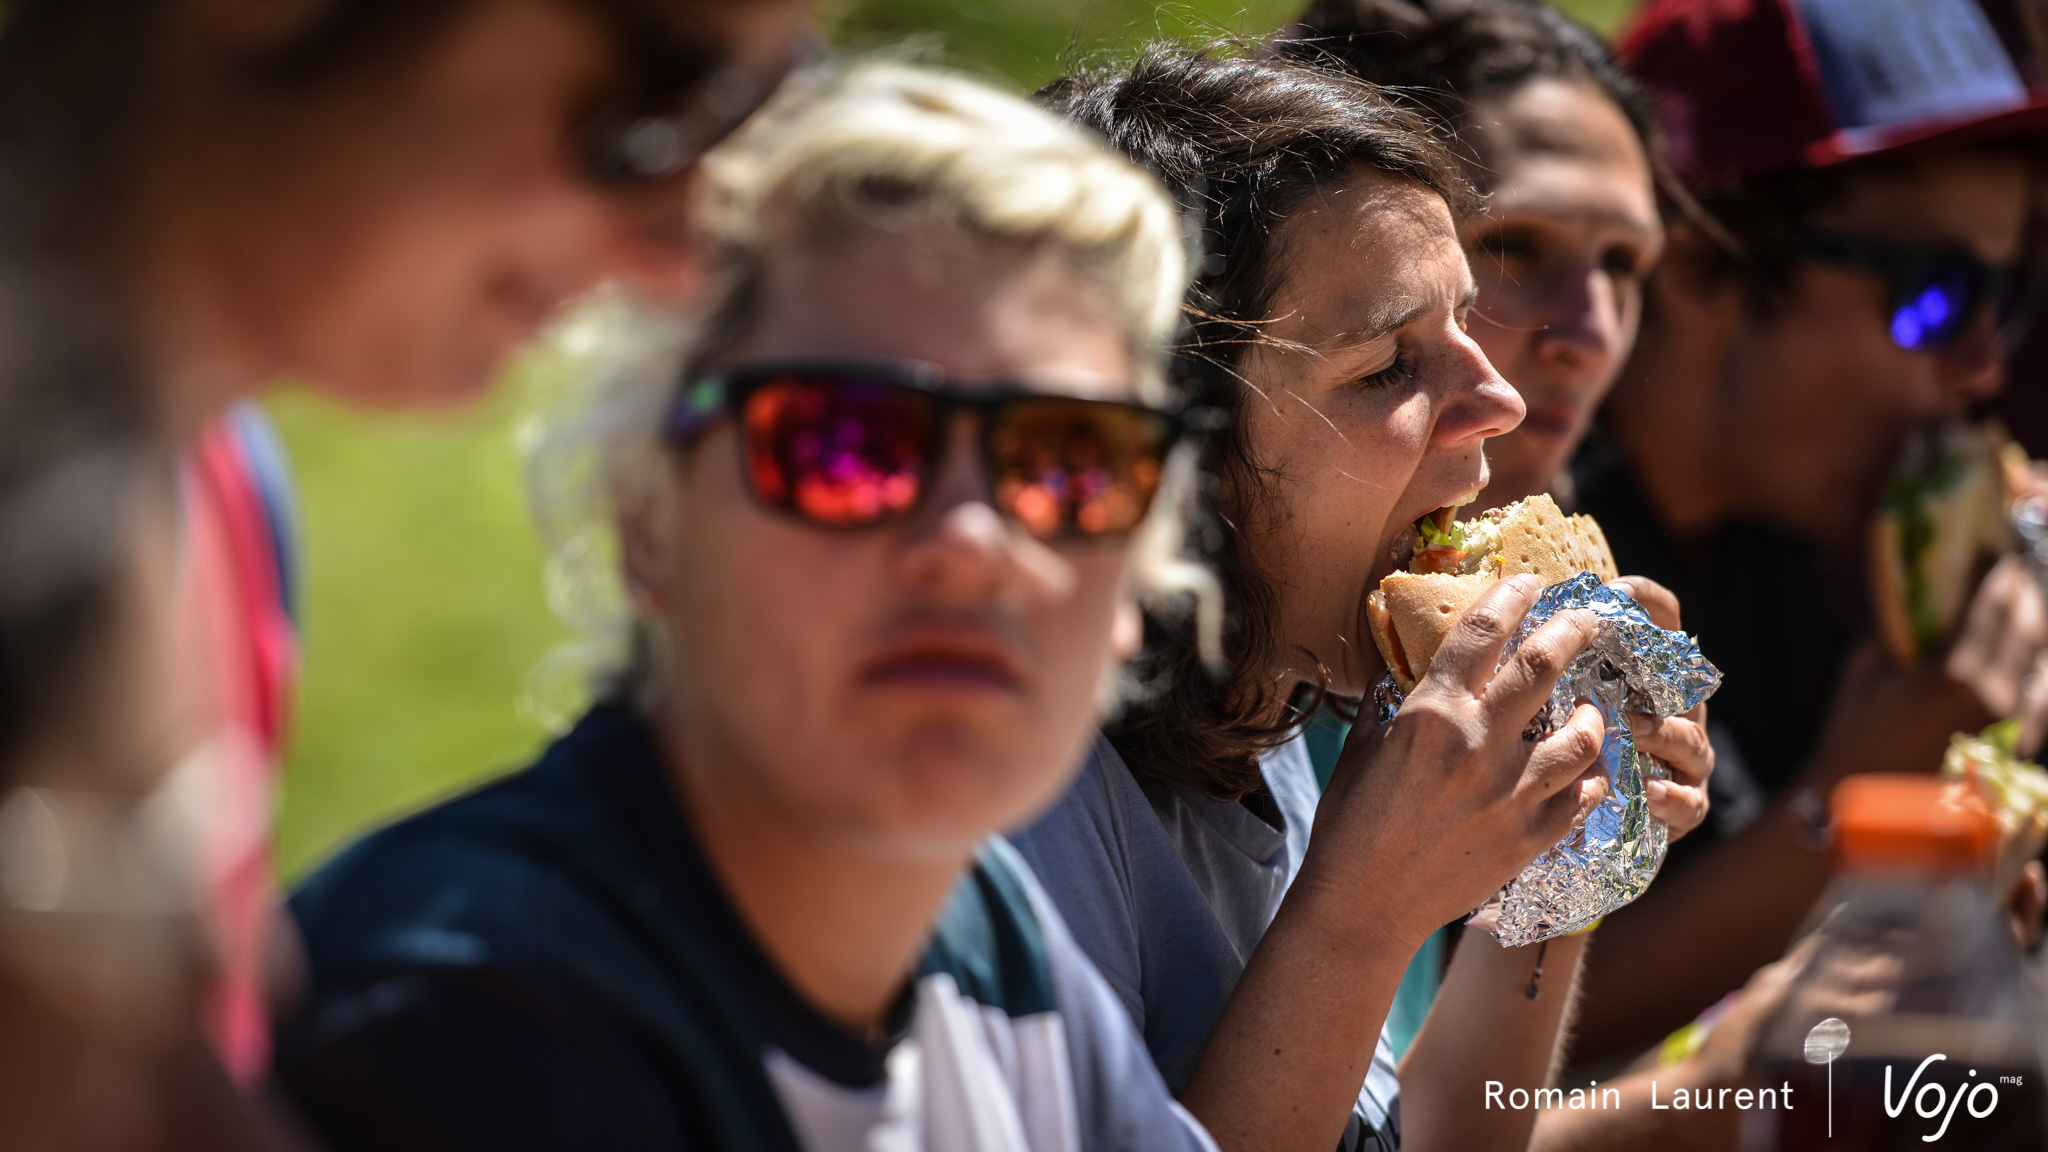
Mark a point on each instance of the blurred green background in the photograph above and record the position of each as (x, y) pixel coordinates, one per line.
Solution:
(423, 612)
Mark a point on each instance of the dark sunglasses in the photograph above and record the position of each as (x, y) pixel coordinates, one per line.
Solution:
(1936, 293)
(856, 444)
(679, 100)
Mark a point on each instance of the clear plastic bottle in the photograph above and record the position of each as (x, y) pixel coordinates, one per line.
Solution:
(1910, 1024)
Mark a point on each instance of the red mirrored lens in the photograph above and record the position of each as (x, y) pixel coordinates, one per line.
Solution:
(1077, 468)
(840, 452)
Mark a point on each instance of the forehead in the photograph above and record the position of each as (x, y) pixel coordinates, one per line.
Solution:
(1356, 256)
(976, 308)
(1972, 197)
(1563, 148)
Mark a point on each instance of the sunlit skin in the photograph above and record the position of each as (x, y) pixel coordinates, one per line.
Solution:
(1376, 404)
(847, 714)
(394, 236)
(1569, 230)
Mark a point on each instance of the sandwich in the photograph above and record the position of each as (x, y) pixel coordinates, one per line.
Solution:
(1941, 523)
(2015, 790)
(1444, 564)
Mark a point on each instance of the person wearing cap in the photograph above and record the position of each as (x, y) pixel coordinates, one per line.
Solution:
(1847, 159)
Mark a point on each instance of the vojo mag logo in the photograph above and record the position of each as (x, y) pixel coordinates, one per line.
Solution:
(1931, 1102)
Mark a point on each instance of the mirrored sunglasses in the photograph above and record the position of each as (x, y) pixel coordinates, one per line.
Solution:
(1936, 293)
(853, 445)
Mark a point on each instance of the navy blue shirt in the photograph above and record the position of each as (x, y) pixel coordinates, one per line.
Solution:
(550, 963)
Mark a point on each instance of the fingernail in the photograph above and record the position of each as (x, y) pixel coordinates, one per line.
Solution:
(1655, 790)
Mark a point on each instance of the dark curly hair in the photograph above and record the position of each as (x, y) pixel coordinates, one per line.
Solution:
(1241, 139)
(1448, 56)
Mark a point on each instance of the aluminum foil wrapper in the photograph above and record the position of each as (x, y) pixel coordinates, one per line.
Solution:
(1610, 859)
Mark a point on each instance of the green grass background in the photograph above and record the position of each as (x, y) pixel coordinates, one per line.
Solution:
(423, 613)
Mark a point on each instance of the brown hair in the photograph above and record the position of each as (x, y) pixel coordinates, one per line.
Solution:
(1445, 56)
(1241, 142)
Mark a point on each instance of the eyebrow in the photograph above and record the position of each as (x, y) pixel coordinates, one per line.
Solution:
(1398, 314)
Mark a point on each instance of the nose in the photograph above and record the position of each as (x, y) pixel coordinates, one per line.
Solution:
(1580, 321)
(1475, 403)
(958, 550)
(1972, 369)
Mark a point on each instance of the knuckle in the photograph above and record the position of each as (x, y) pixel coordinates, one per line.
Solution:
(1540, 659)
(1485, 622)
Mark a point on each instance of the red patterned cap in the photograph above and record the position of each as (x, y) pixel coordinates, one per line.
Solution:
(1746, 88)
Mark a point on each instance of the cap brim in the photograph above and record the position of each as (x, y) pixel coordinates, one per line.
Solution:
(2023, 123)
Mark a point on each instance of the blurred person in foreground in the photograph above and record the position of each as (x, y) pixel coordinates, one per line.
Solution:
(380, 197)
(1255, 930)
(1843, 171)
(880, 536)
(101, 947)
(1558, 143)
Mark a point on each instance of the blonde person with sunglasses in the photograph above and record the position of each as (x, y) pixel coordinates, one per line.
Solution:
(881, 519)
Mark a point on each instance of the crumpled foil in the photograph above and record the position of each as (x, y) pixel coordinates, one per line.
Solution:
(1609, 859)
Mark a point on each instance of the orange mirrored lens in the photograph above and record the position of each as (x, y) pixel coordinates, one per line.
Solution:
(1065, 467)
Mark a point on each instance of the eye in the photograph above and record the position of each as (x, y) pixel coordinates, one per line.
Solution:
(1400, 371)
(1505, 244)
(1622, 263)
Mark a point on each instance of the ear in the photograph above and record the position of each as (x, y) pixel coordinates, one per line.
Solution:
(1127, 631)
(1693, 278)
(253, 24)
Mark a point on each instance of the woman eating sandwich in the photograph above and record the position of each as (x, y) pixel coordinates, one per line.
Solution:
(877, 537)
(1329, 322)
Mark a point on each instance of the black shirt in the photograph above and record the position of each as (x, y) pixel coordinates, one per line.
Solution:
(1774, 613)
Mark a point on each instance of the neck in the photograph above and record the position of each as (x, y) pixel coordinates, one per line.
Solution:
(843, 923)
(1662, 414)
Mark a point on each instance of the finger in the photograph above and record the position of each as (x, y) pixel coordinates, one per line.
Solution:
(1472, 651)
(1563, 814)
(1660, 602)
(1984, 625)
(1525, 681)
(1559, 758)
(2033, 711)
(2026, 628)
(1681, 744)
(1680, 806)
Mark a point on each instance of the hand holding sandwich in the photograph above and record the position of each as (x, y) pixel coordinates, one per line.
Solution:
(1425, 818)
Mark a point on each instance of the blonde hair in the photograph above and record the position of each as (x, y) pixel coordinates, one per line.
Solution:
(880, 144)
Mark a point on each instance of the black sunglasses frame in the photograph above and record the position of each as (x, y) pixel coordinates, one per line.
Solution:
(680, 100)
(718, 394)
(1909, 270)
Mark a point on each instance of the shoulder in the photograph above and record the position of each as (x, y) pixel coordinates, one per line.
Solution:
(1078, 1058)
(505, 965)
(460, 883)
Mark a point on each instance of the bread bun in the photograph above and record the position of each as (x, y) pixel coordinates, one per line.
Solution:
(1411, 613)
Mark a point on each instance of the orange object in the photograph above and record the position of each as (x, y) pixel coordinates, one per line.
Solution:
(1912, 823)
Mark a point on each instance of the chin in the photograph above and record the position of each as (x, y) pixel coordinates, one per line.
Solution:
(952, 780)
